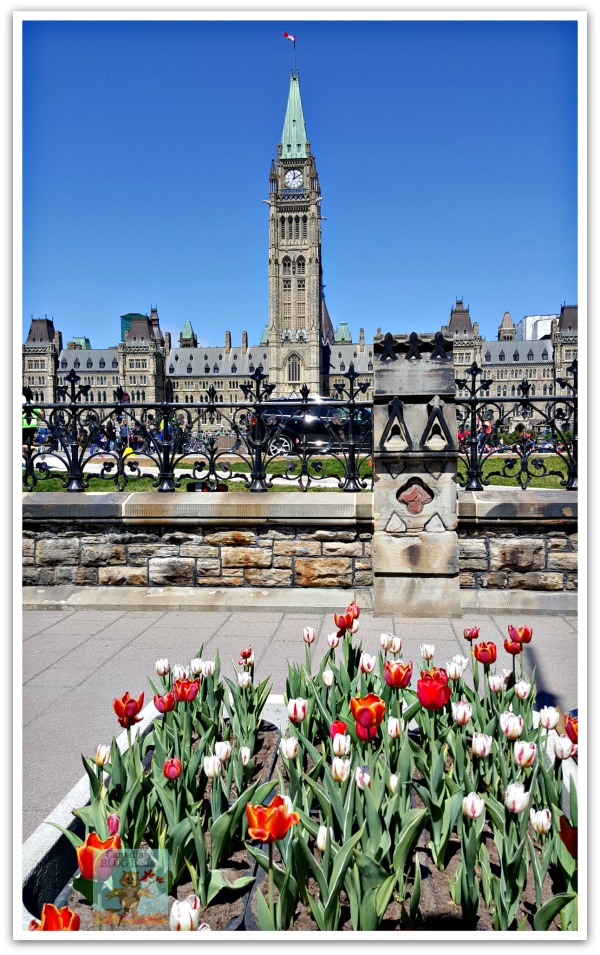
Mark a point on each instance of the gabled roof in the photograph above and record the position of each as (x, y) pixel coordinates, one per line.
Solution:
(101, 359)
(507, 321)
(460, 321)
(341, 355)
(293, 137)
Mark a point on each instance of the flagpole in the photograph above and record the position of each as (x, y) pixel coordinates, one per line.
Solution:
(295, 70)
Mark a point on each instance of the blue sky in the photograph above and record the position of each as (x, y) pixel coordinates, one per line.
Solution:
(447, 156)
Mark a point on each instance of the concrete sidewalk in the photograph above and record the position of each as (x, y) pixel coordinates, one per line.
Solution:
(75, 661)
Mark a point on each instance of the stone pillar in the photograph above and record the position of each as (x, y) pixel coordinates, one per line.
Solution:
(415, 544)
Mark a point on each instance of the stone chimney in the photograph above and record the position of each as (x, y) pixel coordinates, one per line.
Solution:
(58, 341)
(244, 342)
(227, 342)
(167, 342)
(73, 346)
(476, 329)
(361, 339)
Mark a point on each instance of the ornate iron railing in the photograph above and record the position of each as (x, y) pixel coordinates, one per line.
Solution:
(117, 441)
(521, 461)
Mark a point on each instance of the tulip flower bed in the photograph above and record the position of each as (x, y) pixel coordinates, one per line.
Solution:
(390, 808)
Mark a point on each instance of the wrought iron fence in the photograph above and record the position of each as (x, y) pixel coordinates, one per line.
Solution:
(263, 443)
(483, 421)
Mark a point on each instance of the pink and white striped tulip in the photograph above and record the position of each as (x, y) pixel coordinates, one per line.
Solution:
(511, 724)
(473, 806)
(394, 727)
(245, 755)
(208, 666)
(453, 670)
(385, 641)
(196, 666)
(102, 755)
(541, 820)
(427, 651)
(363, 777)
(212, 766)
(185, 915)
(463, 662)
(223, 750)
(516, 799)
(180, 672)
(525, 753)
(333, 640)
(244, 680)
(328, 677)
(162, 666)
(309, 635)
(341, 744)
(396, 646)
(522, 689)
(495, 683)
(462, 712)
(289, 747)
(297, 710)
(340, 770)
(564, 748)
(549, 717)
(367, 662)
(481, 745)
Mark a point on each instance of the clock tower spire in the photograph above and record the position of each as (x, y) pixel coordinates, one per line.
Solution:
(295, 275)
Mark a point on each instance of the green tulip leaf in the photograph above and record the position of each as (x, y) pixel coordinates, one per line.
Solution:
(545, 916)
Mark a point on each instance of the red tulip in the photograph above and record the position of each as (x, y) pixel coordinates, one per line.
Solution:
(471, 633)
(353, 609)
(512, 646)
(270, 823)
(113, 822)
(572, 728)
(97, 859)
(55, 920)
(485, 652)
(338, 726)
(166, 703)
(568, 835)
(172, 768)
(343, 621)
(397, 674)
(185, 690)
(127, 709)
(432, 689)
(522, 635)
(368, 711)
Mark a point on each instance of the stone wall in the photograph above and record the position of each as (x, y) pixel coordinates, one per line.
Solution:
(287, 540)
(526, 541)
(508, 540)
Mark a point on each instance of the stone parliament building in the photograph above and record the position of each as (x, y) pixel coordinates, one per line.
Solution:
(299, 344)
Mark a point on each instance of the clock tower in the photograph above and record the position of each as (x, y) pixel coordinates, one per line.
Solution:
(295, 276)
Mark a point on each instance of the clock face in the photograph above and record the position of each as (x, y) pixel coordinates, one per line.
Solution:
(293, 179)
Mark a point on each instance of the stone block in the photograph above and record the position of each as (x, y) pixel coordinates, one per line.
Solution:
(152, 550)
(27, 552)
(280, 534)
(323, 572)
(97, 555)
(282, 562)
(268, 577)
(339, 549)
(571, 582)
(524, 553)
(174, 571)
(183, 537)
(474, 564)
(236, 581)
(198, 550)
(560, 544)
(39, 576)
(493, 581)
(467, 580)
(368, 547)
(468, 548)
(123, 576)
(417, 596)
(296, 548)
(363, 564)
(388, 510)
(57, 550)
(241, 538)
(562, 561)
(418, 555)
(208, 568)
(535, 581)
(329, 535)
(363, 578)
(80, 576)
(246, 557)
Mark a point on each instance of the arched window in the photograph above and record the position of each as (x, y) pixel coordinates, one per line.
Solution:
(290, 228)
(513, 392)
(282, 228)
(104, 397)
(143, 395)
(287, 266)
(215, 368)
(304, 227)
(549, 389)
(498, 391)
(297, 227)
(504, 392)
(294, 369)
(301, 266)
(206, 369)
(63, 364)
(533, 389)
(545, 390)
(301, 303)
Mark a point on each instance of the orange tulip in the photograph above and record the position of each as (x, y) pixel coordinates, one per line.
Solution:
(97, 859)
(397, 674)
(368, 711)
(185, 690)
(572, 728)
(270, 823)
(55, 920)
(521, 635)
(485, 652)
(127, 709)
(512, 646)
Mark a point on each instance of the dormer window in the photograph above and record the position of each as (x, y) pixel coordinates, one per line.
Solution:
(233, 369)
(206, 369)
(63, 364)
(220, 357)
(89, 363)
(215, 368)
(189, 369)
(370, 366)
(530, 355)
(76, 364)
(501, 356)
(115, 363)
(488, 357)
(545, 354)
(171, 369)
(515, 356)
(102, 363)
(206, 358)
(251, 367)
(342, 366)
(191, 357)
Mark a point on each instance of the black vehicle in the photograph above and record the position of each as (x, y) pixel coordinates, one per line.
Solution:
(286, 428)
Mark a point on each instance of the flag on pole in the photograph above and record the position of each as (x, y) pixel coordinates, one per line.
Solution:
(288, 36)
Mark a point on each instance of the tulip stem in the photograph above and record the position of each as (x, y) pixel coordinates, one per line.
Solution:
(271, 894)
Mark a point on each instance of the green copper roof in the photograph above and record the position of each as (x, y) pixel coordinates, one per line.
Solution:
(83, 343)
(264, 340)
(188, 331)
(293, 138)
(343, 333)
